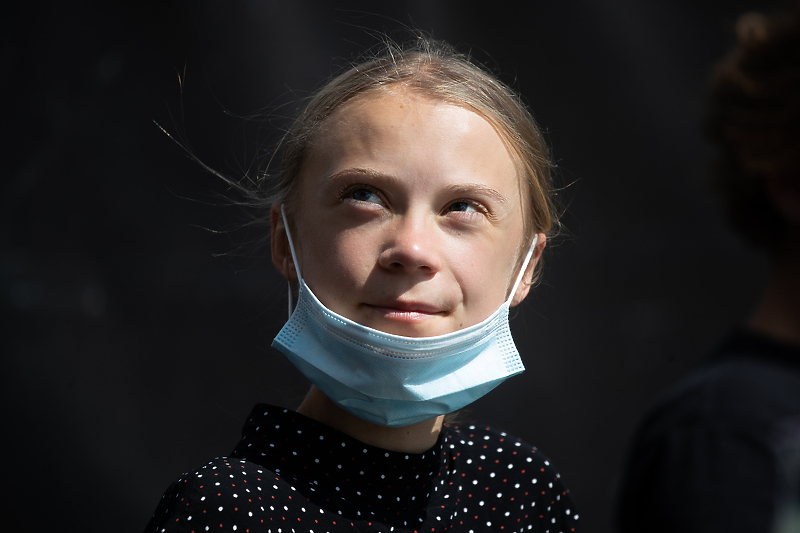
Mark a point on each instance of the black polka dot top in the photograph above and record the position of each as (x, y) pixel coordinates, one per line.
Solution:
(290, 473)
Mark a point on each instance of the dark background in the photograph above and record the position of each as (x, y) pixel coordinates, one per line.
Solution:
(133, 351)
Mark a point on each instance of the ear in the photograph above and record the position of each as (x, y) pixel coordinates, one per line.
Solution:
(279, 243)
(525, 284)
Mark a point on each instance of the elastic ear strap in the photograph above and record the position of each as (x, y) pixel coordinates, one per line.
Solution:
(294, 257)
(291, 244)
(524, 267)
(289, 286)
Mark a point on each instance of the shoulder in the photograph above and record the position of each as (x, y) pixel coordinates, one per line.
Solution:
(706, 438)
(730, 406)
(225, 491)
(484, 444)
(503, 470)
(735, 394)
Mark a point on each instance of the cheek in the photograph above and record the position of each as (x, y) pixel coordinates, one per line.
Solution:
(483, 272)
(336, 262)
(351, 260)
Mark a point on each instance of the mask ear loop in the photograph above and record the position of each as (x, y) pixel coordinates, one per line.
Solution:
(522, 270)
(289, 310)
(294, 258)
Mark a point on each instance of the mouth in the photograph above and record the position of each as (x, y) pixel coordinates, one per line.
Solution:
(409, 312)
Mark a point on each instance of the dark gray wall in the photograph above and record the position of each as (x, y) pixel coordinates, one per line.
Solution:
(132, 352)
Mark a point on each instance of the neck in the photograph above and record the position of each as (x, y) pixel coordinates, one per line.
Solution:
(778, 313)
(415, 438)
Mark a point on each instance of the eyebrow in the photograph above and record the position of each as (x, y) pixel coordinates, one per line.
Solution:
(457, 189)
(358, 171)
(467, 188)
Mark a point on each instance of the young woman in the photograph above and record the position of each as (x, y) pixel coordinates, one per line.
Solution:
(412, 209)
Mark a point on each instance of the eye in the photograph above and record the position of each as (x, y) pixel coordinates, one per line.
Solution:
(464, 206)
(360, 193)
(364, 195)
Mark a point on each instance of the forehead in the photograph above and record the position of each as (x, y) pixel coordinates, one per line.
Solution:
(398, 124)
(392, 100)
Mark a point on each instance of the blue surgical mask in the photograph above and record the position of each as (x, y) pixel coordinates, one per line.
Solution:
(392, 380)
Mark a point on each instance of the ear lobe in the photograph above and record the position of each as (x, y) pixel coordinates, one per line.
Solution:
(279, 244)
(525, 284)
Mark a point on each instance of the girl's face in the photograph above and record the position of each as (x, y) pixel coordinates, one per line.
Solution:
(408, 217)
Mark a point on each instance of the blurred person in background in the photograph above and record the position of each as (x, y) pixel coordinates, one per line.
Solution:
(711, 455)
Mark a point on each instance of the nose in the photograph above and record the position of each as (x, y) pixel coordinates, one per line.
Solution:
(411, 247)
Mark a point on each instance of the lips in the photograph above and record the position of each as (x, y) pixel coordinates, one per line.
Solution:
(408, 312)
